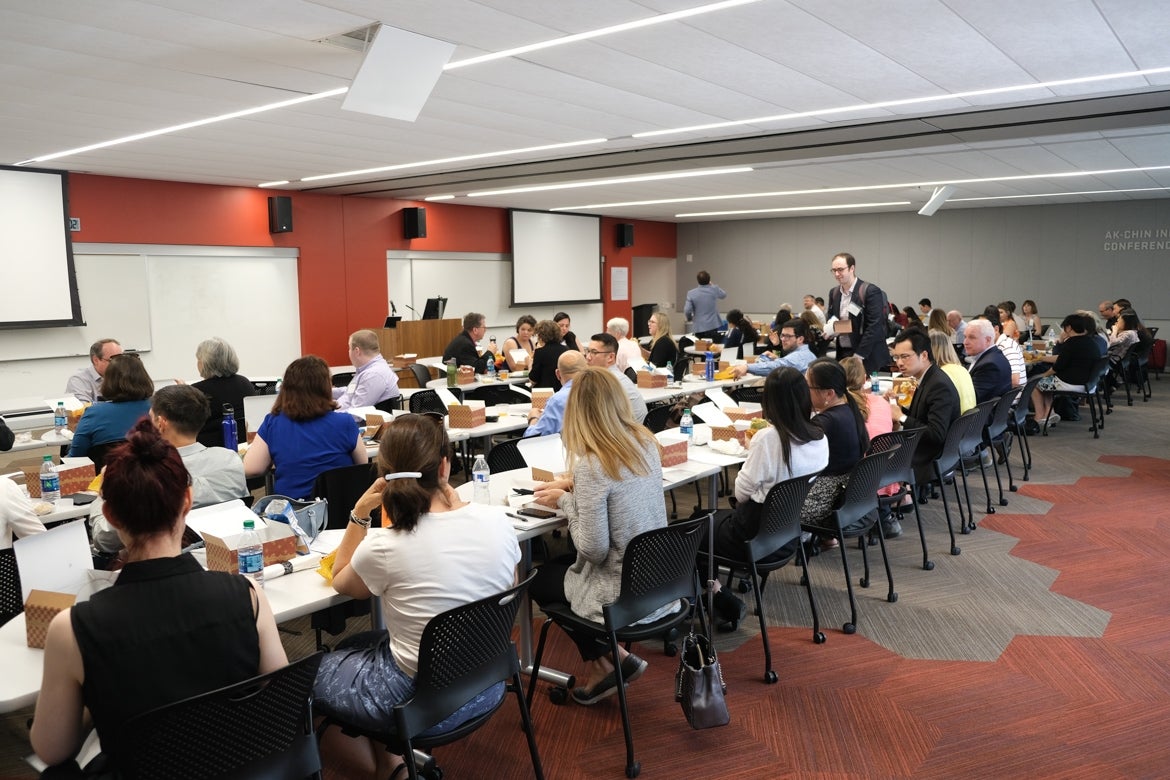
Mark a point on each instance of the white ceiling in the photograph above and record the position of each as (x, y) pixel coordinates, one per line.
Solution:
(77, 73)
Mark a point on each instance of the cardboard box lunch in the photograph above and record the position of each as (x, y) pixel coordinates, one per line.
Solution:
(674, 449)
(40, 609)
(279, 541)
(648, 379)
(727, 433)
(540, 396)
(402, 361)
(739, 413)
(468, 414)
(74, 478)
(699, 367)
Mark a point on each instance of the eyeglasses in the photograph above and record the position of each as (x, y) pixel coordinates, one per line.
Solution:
(787, 336)
(841, 270)
(592, 352)
(903, 356)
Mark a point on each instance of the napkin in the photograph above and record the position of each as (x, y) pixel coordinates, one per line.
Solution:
(299, 563)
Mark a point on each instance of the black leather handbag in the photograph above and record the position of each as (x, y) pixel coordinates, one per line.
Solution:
(698, 684)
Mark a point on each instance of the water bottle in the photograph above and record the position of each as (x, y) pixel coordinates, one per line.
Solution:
(710, 367)
(875, 386)
(279, 382)
(491, 367)
(231, 438)
(686, 425)
(669, 371)
(251, 554)
(60, 421)
(452, 373)
(481, 476)
(50, 480)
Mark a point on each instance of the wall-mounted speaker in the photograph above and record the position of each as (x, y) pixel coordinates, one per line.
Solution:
(414, 222)
(280, 214)
(625, 234)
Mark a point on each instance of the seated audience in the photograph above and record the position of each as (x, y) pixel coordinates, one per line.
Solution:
(16, 514)
(1009, 347)
(436, 552)
(935, 405)
(912, 317)
(629, 354)
(464, 348)
(85, 385)
(550, 419)
(374, 381)
(740, 331)
(127, 389)
(1007, 320)
(301, 437)
(938, 321)
(612, 494)
(522, 340)
(602, 353)
(1072, 366)
(1126, 332)
(811, 305)
(815, 334)
(946, 359)
(568, 338)
(796, 353)
(958, 326)
(875, 410)
(165, 630)
(1033, 328)
(544, 360)
(991, 374)
(222, 384)
(663, 348)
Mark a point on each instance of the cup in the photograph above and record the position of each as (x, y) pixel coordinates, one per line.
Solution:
(504, 374)
(502, 410)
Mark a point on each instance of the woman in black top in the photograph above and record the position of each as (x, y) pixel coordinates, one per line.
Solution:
(839, 417)
(568, 338)
(222, 384)
(741, 332)
(663, 349)
(544, 360)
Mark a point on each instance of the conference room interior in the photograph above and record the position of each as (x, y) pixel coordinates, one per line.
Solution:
(1058, 195)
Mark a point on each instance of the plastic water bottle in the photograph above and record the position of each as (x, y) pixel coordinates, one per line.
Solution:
(452, 373)
(710, 367)
(60, 421)
(279, 382)
(231, 438)
(251, 554)
(686, 425)
(875, 386)
(669, 371)
(50, 480)
(491, 366)
(481, 476)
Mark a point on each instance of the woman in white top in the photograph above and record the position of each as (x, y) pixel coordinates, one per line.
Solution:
(437, 553)
(522, 340)
(16, 514)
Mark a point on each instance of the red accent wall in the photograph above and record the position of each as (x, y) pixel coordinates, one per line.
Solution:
(342, 241)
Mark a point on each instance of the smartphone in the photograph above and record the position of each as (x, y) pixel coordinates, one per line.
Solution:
(522, 491)
(531, 511)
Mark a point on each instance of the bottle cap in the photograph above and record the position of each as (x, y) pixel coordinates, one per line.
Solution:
(249, 524)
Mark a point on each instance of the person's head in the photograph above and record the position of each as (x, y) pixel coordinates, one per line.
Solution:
(826, 383)
(992, 315)
(1077, 325)
(100, 353)
(414, 443)
(1006, 309)
(659, 326)
(938, 321)
(179, 412)
(602, 351)
(1105, 309)
(363, 347)
(820, 302)
(1029, 307)
(954, 318)
(547, 331)
(844, 269)
(215, 357)
(563, 322)
(924, 305)
(1120, 305)
(912, 352)
(978, 337)
(569, 364)
(942, 350)
(911, 315)
(307, 390)
(787, 405)
(618, 327)
(474, 325)
(735, 318)
(783, 315)
(810, 321)
(524, 327)
(793, 334)
(126, 379)
(703, 277)
(145, 486)
(809, 301)
(1129, 320)
(599, 422)
(856, 381)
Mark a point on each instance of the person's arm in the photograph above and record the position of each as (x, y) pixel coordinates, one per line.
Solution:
(272, 655)
(258, 458)
(720, 293)
(588, 510)
(940, 410)
(757, 468)
(360, 454)
(83, 436)
(689, 309)
(17, 510)
(59, 725)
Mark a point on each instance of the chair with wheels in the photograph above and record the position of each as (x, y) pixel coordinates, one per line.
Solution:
(949, 464)
(11, 602)
(1018, 425)
(779, 526)
(900, 471)
(463, 652)
(421, 373)
(855, 514)
(505, 456)
(997, 439)
(659, 567)
(1091, 395)
(258, 729)
(427, 401)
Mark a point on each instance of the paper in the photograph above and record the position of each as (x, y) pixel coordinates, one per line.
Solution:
(721, 399)
(327, 541)
(619, 283)
(221, 520)
(361, 412)
(711, 414)
(55, 561)
(299, 563)
(518, 355)
(71, 403)
(446, 396)
(544, 452)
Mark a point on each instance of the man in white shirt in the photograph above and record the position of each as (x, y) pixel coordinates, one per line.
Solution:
(629, 352)
(85, 385)
(810, 304)
(602, 353)
(374, 381)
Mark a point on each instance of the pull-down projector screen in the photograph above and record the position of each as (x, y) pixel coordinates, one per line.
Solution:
(36, 253)
(556, 258)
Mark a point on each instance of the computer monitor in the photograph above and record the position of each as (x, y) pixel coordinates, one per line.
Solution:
(434, 308)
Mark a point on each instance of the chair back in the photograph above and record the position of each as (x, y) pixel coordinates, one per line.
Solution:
(659, 567)
(753, 394)
(505, 456)
(1001, 414)
(260, 728)
(780, 523)
(657, 418)
(954, 446)
(1021, 410)
(389, 405)
(901, 445)
(860, 497)
(631, 374)
(496, 394)
(427, 401)
(973, 438)
(682, 366)
(11, 602)
(342, 487)
(463, 652)
(422, 374)
(1100, 369)
(97, 453)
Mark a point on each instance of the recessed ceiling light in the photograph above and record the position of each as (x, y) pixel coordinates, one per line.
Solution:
(603, 182)
(796, 208)
(1058, 194)
(273, 183)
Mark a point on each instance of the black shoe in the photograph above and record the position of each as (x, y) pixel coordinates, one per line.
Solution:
(891, 528)
(632, 668)
(729, 610)
(603, 690)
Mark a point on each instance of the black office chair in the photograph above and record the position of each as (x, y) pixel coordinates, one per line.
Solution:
(743, 395)
(973, 447)
(997, 439)
(422, 374)
(1097, 382)
(900, 470)
(259, 729)
(949, 464)
(389, 405)
(11, 602)
(427, 401)
(463, 652)
(505, 456)
(342, 487)
(659, 567)
(656, 420)
(496, 394)
(1018, 425)
(97, 453)
(342, 378)
(779, 526)
(1134, 370)
(854, 516)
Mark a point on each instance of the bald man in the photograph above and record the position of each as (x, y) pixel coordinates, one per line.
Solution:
(552, 417)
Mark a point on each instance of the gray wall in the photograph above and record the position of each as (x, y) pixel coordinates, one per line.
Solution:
(1064, 257)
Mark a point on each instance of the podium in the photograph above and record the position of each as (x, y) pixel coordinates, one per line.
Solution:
(425, 338)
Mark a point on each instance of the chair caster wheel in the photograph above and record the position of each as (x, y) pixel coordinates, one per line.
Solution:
(558, 695)
(849, 628)
(1003, 502)
(1014, 489)
(955, 551)
(863, 582)
(990, 511)
(770, 677)
(928, 566)
(744, 586)
(819, 638)
(670, 649)
(633, 770)
(965, 530)
(892, 598)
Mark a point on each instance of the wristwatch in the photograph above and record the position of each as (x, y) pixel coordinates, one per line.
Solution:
(364, 522)
(901, 421)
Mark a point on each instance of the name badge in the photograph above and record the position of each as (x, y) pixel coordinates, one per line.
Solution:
(853, 309)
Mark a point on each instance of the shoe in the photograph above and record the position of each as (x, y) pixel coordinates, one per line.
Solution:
(829, 543)
(729, 610)
(985, 459)
(633, 667)
(1053, 419)
(891, 528)
(603, 690)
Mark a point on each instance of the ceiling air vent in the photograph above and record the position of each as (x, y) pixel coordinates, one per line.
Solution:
(355, 40)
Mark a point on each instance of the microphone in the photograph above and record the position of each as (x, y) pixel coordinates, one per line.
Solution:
(393, 309)
(414, 310)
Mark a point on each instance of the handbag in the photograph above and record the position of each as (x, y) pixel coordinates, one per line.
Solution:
(698, 683)
(307, 518)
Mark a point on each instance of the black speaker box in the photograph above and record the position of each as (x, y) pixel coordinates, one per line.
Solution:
(625, 234)
(414, 222)
(280, 214)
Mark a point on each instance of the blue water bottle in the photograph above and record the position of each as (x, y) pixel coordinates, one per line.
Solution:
(231, 438)
(710, 367)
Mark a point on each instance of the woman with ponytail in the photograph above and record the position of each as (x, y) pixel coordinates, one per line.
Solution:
(433, 553)
(166, 630)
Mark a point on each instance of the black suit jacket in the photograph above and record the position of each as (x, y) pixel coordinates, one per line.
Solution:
(991, 374)
(462, 348)
(869, 329)
(934, 408)
(7, 437)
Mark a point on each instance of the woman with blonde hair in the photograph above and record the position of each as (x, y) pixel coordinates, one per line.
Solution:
(663, 348)
(938, 322)
(947, 359)
(613, 493)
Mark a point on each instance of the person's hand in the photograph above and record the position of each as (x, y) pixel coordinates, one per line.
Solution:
(562, 483)
(371, 499)
(739, 371)
(548, 496)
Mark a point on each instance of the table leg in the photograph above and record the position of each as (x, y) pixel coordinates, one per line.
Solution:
(525, 616)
